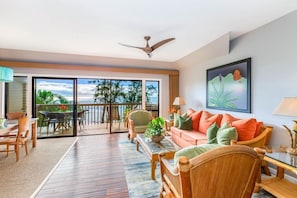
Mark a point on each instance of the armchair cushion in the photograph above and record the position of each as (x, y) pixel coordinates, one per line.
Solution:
(192, 151)
(140, 117)
(140, 128)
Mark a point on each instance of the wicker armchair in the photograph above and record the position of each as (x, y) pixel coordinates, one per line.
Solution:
(228, 171)
(137, 122)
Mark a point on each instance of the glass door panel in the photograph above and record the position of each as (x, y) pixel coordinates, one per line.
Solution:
(54, 105)
(152, 97)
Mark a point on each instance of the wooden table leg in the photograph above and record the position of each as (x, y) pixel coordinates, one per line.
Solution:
(34, 133)
(153, 168)
(137, 145)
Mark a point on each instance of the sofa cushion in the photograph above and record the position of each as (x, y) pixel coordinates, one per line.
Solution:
(225, 134)
(192, 151)
(193, 137)
(175, 131)
(227, 118)
(208, 119)
(259, 128)
(246, 128)
(185, 123)
(212, 134)
(195, 119)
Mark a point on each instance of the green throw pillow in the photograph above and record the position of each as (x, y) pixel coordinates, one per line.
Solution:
(211, 134)
(192, 151)
(185, 123)
(225, 134)
(177, 118)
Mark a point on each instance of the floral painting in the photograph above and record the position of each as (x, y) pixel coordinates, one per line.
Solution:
(229, 87)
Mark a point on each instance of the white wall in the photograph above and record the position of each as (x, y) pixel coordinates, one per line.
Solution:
(273, 49)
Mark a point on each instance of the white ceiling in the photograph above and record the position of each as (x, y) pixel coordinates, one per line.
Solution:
(95, 27)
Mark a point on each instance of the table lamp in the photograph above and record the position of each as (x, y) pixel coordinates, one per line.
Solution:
(177, 102)
(288, 107)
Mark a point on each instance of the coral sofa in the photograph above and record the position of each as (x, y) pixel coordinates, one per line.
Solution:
(191, 128)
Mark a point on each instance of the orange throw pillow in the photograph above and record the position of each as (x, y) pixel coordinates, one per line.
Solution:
(260, 125)
(246, 129)
(208, 119)
(195, 120)
(227, 118)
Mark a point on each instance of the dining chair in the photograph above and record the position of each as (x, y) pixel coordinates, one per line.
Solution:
(15, 115)
(20, 139)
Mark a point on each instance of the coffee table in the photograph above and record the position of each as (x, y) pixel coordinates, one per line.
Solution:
(152, 149)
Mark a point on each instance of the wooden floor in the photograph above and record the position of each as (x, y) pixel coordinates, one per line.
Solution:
(92, 168)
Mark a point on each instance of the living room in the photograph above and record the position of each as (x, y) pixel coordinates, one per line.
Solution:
(272, 48)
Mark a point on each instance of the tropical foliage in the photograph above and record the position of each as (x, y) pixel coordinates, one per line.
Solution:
(155, 127)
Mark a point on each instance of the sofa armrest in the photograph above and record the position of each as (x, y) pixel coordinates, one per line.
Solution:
(262, 140)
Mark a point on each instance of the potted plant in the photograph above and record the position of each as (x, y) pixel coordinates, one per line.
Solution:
(155, 129)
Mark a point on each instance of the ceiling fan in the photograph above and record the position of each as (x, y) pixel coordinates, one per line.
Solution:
(147, 49)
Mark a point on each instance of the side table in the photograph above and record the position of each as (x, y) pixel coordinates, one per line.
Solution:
(279, 186)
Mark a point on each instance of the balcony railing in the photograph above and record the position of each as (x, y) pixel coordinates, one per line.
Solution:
(95, 113)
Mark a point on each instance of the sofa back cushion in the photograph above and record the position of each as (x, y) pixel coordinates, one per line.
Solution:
(208, 119)
(195, 119)
(247, 129)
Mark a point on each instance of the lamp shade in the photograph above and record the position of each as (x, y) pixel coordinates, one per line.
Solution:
(6, 74)
(287, 107)
(179, 101)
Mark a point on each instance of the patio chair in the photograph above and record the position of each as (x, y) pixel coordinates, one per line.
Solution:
(137, 122)
(228, 171)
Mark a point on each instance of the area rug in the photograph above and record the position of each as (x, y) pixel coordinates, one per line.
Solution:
(23, 178)
(138, 176)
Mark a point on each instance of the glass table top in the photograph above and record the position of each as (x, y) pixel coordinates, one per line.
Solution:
(166, 145)
(283, 157)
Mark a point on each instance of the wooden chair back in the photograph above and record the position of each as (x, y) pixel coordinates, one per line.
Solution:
(229, 171)
(15, 115)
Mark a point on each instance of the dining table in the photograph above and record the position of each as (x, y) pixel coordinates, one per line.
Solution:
(12, 125)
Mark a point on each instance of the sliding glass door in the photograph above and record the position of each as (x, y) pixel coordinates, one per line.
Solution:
(85, 106)
(54, 103)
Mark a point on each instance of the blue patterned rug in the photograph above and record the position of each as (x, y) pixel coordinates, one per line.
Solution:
(138, 176)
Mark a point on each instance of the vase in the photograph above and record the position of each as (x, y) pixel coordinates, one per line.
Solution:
(157, 138)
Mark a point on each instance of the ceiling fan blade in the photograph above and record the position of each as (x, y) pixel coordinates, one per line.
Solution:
(142, 48)
(155, 46)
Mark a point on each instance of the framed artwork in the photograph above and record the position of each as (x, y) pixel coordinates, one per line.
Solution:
(229, 87)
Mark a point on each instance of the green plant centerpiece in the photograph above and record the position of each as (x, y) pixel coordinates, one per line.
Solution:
(155, 129)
